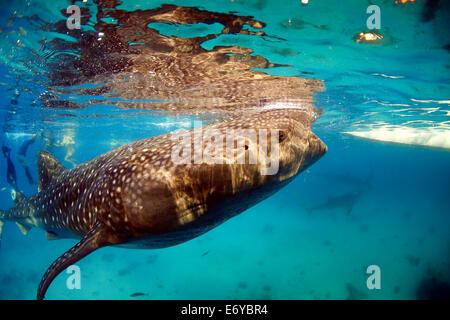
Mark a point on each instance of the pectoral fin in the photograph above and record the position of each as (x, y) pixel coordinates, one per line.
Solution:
(24, 228)
(50, 235)
(93, 240)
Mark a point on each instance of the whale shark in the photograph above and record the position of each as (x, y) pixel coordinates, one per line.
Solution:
(345, 201)
(137, 196)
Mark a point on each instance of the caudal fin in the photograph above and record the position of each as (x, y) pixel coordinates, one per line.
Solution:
(13, 214)
(49, 168)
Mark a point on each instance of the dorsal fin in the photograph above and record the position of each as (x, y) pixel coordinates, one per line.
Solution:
(48, 168)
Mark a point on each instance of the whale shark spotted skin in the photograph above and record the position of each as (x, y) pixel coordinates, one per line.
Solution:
(136, 196)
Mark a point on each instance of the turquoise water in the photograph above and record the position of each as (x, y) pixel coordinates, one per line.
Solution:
(380, 196)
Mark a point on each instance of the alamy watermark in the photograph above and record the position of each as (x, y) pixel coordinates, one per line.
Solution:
(374, 20)
(74, 280)
(74, 20)
(374, 280)
(228, 146)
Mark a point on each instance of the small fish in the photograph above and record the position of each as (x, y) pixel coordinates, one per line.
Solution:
(205, 253)
(138, 294)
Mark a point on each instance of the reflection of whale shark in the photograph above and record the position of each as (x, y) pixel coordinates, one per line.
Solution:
(137, 196)
(133, 64)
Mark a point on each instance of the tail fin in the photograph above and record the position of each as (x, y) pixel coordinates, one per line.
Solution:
(48, 168)
(11, 214)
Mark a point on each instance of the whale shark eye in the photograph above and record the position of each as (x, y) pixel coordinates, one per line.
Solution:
(282, 136)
